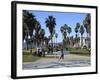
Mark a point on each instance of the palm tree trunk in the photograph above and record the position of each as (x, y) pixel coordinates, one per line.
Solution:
(31, 49)
(36, 45)
(52, 45)
(69, 41)
(81, 41)
(56, 44)
(87, 40)
(27, 45)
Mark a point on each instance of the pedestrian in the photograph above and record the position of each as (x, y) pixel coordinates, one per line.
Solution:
(62, 54)
(43, 51)
(40, 51)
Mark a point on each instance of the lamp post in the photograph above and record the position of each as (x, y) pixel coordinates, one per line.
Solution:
(30, 42)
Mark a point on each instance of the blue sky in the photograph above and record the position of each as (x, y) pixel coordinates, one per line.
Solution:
(62, 18)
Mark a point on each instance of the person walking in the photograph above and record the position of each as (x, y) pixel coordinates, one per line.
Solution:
(43, 52)
(62, 54)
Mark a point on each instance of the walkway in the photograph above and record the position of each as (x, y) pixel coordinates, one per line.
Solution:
(70, 60)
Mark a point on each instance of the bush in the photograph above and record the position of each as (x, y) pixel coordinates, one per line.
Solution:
(79, 51)
(85, 47)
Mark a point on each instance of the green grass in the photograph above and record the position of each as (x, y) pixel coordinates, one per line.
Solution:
(30, 58)
(79, 51)
(25, 50)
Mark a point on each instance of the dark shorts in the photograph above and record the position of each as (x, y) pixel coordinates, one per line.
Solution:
(62, 55)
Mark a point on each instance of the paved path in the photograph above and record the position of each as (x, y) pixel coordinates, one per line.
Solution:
(70, 60)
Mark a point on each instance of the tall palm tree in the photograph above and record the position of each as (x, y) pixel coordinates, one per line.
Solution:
(81, 32)
(87, 25)
(28, 25)
(53, 38)
(72, 41)
(64, 39)
(50, 24)
(25, 34)
(46, 39)
(69, 31)
(37, 33)
(63, 30)
(76, 31)
(30, 20)
(76, 28)
(65, 27)
(25, 25)
(42, 34)
(56, 35)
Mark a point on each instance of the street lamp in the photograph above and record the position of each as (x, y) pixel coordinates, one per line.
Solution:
(30, 42)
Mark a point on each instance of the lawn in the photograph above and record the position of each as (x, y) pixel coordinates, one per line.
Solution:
(30, 58)
(25, 51)
(79, 51)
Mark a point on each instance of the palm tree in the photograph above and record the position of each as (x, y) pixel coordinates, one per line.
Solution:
(37, 33)
(53, 37)
(69, 31)
(77, 40)
(72, 41)
(76, 31)
(28, 25)
(42, 34)
(81, 32)
(25, 34)
(50, 24)
(25, 27)
(87, 25)
(56, 35)
(46, 39)
(76, 28)
(63, 30)
(29, 20)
